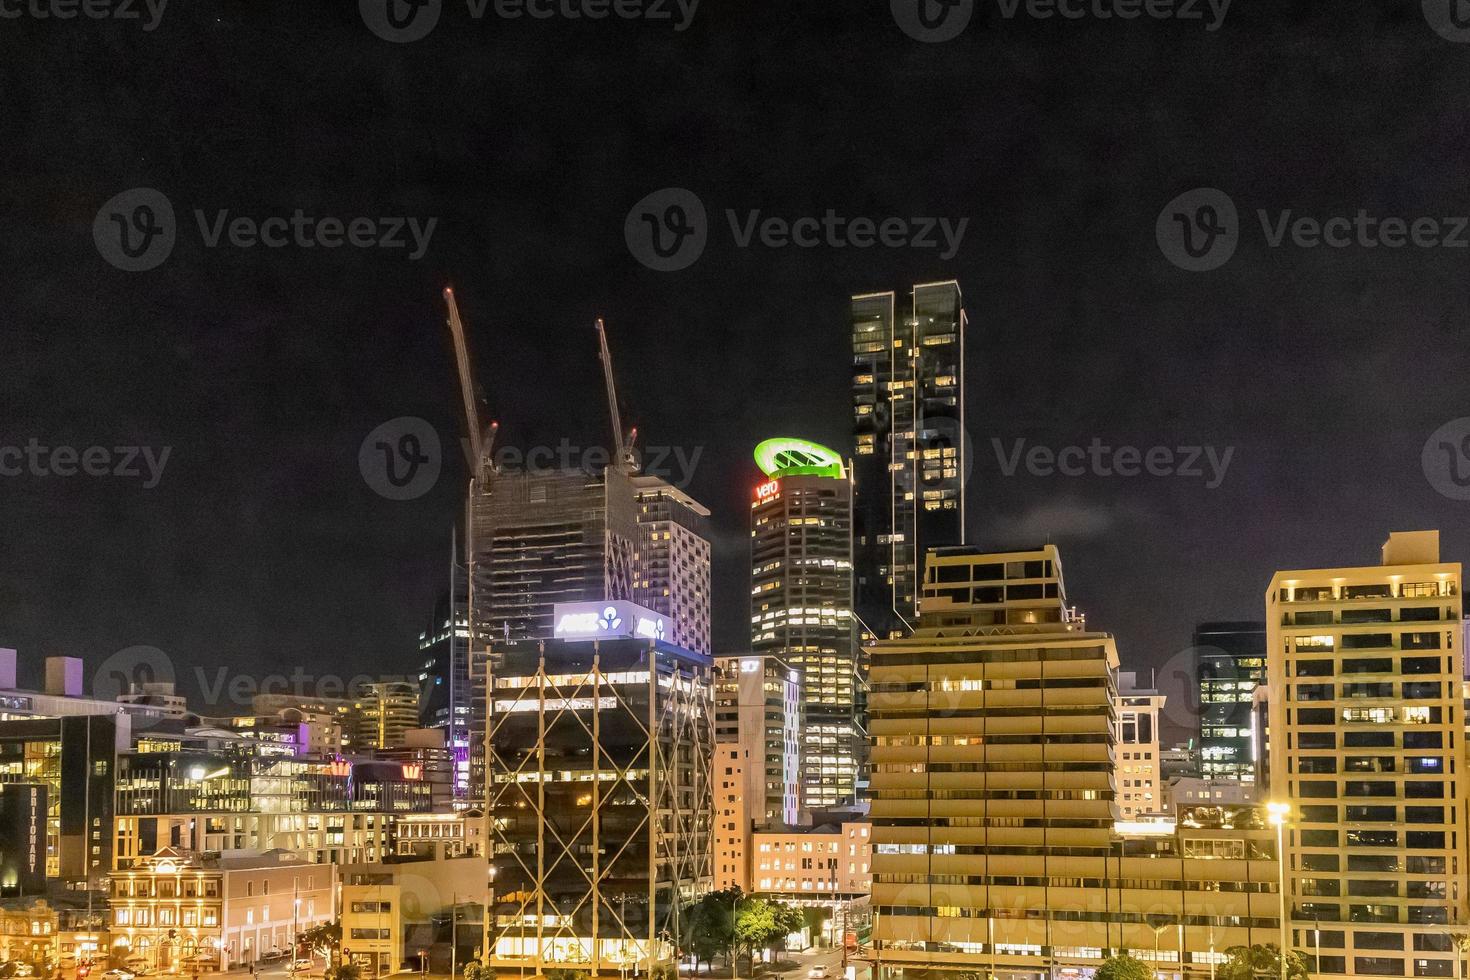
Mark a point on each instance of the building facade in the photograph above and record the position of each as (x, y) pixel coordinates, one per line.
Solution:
(673, 564)
(758, 705)
(910, 464)
(1140, 786)
(801, 605)
(388, 710)
(1367, 747)
(1230, 661)
(601, 800)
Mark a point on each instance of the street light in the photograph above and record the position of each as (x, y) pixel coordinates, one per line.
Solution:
(1277, 813)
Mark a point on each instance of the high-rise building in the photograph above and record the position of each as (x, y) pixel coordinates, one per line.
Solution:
(758, 704)
(600, 801)
(1367, 748)
(1230, 660)
(801, 604)
(995, 848)
(543, 537)
(1140, 784)
(387, 711)
(910, 468)
(451, 682)
(673, 565)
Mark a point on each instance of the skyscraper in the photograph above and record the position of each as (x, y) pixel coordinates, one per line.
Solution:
(911, 465)
(451, 681)
(1367, 758)
(673, 562)
(1230, 660)
(543, 537)
(801, 603)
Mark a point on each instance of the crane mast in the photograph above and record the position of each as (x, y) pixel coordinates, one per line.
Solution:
(622, 446)
(481, 441)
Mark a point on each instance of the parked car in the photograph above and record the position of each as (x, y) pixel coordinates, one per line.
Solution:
(817, 973)
(119, 975)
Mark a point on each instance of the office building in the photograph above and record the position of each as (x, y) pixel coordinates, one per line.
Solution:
(673, 563)
(911, 465)
(451, 682)
(1140, 785)
(826, 866)
(73, 760)
(387, 711)
(759, 706)
(539, 538)
(1230, 661)
(320, 712)
(801, 604)
(401, 915)
(993, 765)
(1367, 747)
(600, 804)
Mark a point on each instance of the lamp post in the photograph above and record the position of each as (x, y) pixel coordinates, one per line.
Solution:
(1278, 812)
(734, 947)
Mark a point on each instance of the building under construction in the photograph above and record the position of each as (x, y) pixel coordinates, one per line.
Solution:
(600, 798)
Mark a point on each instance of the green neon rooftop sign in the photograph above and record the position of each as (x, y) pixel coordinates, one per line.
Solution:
(797, 457)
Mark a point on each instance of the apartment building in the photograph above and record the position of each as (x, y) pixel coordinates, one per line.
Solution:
(1140, 788)
(1367, 745)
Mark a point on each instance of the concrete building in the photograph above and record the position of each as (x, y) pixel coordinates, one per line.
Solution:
(801, 605)
(758, 704)
(178, 911)
(673, 561)
(824, 866)
(733, 823)
(994, 751)
(1140, 787)
(392, 910)
(1187, 791)
(601, 802)
(1368, 751)
(1230, 661)
(388, 710)
(910, 466)
(451, 682)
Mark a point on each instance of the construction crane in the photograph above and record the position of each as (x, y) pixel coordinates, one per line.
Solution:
(622, 445)
(482, 443)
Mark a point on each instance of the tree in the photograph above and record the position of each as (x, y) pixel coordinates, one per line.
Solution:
(324, 938)
(1124, 967)
(478, 971)
(562, 974)
(1262, 961)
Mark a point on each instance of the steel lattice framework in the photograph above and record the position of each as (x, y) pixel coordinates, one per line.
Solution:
(600, 800)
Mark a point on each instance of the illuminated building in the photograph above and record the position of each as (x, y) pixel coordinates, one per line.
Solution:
(388, 710)
(911, 465)
(177, 911)
(826, 866)
(995, 848)
(1230, 661)
(452, 685)
(600, 806)
(801, 604)
(391, 911)
(74, 760)
(1367, 754)
(673, 564)
(1140, 787)
(546, 537)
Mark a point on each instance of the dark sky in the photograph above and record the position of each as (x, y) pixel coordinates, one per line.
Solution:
(263, 549)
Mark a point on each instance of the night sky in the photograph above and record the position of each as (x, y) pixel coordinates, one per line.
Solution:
(262, 548)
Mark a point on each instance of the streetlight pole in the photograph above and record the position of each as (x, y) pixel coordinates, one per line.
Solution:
(1278, 813)
(734, 947)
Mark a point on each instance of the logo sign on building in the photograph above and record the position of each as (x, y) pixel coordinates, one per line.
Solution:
(767, 491)
(23, 839)
(613, 619)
